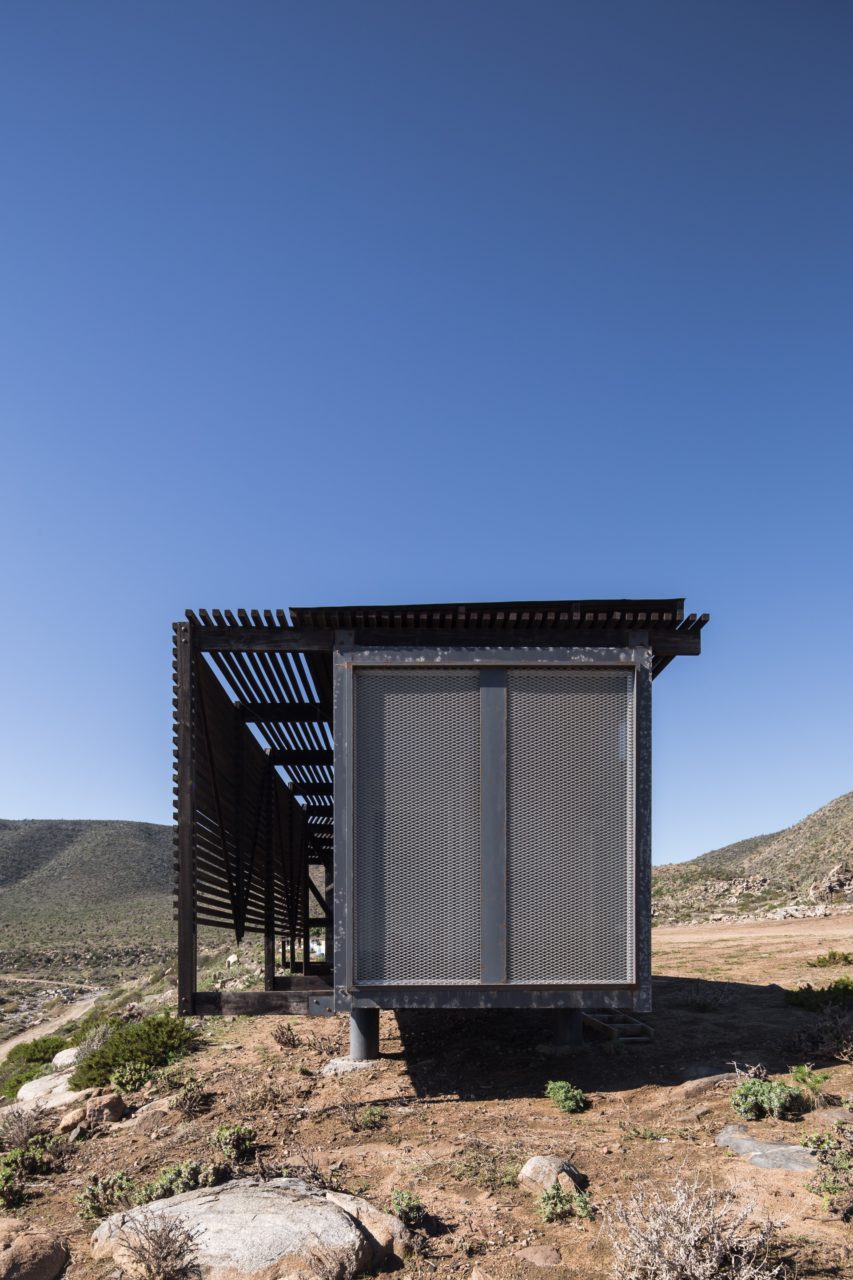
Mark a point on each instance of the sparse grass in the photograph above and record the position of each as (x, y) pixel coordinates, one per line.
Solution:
(690, 1232)
(161, 1248)
(566, 1096)
(487, 1167)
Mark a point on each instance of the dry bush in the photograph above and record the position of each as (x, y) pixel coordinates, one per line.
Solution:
(18, 1125)
(284, 1036)
(831, 1036)
(161, 1248)
(308, 1168)
(690, 1232)
(191, 1100)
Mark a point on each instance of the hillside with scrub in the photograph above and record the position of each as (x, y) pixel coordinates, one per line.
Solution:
(806, 869)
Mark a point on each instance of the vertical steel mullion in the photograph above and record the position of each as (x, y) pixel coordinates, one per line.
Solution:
(493, 798)
(342, 872)
(185, 733)
(643, 827)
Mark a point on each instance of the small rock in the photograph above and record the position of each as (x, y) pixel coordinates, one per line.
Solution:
(541, 1255)
(76, 1116)
(696, 1088)
(541, 1173)
(766, 1155)
(107, 1109)
(343, 1066)
(27, 1254)
(65, 1058)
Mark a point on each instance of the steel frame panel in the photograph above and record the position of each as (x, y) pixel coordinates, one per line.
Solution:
(491, 993)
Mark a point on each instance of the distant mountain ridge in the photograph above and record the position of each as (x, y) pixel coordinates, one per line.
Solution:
(71, 884)
(798, 871)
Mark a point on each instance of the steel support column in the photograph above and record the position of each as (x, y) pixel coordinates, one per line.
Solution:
(568, 1026)
(363, 1034)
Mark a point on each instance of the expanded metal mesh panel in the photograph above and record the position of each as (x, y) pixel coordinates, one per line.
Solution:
(417, 827)
(570, 829)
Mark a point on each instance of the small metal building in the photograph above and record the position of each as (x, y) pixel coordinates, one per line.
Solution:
(458, 796)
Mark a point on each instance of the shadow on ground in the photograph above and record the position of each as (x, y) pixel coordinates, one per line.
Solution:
(700, 1028)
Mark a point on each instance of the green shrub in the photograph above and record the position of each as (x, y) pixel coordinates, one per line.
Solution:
(42, 1050)
(831, 959)
(754, 1099)
(565, 1095)
(812, 1081)
(369, 1117)
(556, 1204)
(189, 1175)
(131, 1076)
(13, 1075)
(235, 1141)
(408, 1208)
(838, 993)
(12, 1192)
(151, 1042)
(40, 1155)
(834, 1179)
(102, 1196)
(27, 1061)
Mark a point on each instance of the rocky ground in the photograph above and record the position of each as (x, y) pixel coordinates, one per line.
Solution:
(460, 1107)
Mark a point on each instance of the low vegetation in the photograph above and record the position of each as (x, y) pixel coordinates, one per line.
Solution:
(161, 1248)
(26, 1061)
(408, 1208)
(754, 1099)
(566, 1096)
(811, 1082)
(831, 959)
(838, 994)
(133, 1051)
(834, 1180)
(556, 1204)
(690, 1231)
(237, 1142)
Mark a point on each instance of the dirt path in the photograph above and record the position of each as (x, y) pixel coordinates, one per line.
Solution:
(75, 1010)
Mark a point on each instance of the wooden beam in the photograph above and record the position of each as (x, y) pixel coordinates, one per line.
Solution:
(283, 713)
(301, 755)
(664, 640)
(312, 788)
(259, 1002)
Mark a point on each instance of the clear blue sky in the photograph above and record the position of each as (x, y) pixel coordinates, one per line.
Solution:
(329, 302)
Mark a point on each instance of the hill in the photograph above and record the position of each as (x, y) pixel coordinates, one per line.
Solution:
(75, 889)
(797, 871)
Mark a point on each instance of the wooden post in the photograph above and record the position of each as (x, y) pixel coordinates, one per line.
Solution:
(184, 811)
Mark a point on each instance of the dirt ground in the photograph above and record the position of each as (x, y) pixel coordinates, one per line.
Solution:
(462, 1102)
